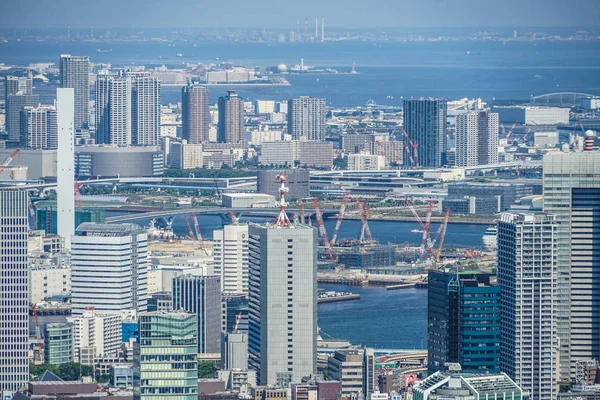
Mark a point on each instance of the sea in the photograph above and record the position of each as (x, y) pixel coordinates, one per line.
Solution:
(388, 72)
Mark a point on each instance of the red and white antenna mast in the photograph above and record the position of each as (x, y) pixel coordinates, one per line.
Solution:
(282, 218)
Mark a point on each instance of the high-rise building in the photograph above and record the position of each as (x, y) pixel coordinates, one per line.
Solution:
(467, 135)
(463, 322)
(15, 103)
(195, 116)
(145, 114)
(282, 300)
(113, 109)
(231, 118)
(14, 292)
(75, 74)
(165, 359)
(527, 250)
(572, 194)
(58, 343)
(108, 267)
(234, 351)
(230, 252)
(306, 118)
(425, 125)
(65, 164)
(38, 128)
(201, 295)
(487, 142)
(355, 370)
(96, 334)
(17, 84)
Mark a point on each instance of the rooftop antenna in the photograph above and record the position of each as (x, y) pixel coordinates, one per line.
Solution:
(282, 218)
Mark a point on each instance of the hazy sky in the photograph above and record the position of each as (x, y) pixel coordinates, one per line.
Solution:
(284, 13)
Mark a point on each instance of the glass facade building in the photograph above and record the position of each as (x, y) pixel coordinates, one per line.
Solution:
(58, 343)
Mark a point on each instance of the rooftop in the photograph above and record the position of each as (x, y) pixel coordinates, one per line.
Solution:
(106, 230)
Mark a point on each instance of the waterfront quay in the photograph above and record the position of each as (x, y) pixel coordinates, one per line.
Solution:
(331, 296)
(389, 282)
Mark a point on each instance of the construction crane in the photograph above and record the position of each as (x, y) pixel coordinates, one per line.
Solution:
(38, 347)
(322, 229)
(79, 184)
(237, 322)
(444, 226)
(32, 219)
(414, 156)
(232, 218)
(340, 216)
(365, 223)
(8, 160)
(190, 231)
(198, 233)
(301, 204)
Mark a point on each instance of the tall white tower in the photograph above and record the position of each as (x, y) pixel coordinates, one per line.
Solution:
(65, 121)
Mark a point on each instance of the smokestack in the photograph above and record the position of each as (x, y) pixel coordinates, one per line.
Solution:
(316, 28)
(589, 138)
(322, 29)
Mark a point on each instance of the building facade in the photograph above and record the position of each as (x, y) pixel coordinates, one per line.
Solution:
(467, 135)
(425, 125)
(527, 250)
(15, 104)
(231, 118)
(165, 360)
(14, 291)
(108, 267)
(58, 343)
(195, 117)
(230, 253)
(298, 180)
(456, 386)
(201, 295)
(95, 334)
(306, 118)
(17, 84)
(38, 128)
(145, 114)
(74, 74)
(119, 161)
(184, 155)
(572, 194)
(113, 109)
(282, 301)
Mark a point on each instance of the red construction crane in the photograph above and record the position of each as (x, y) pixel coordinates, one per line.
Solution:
(365, 222)
(79, 184)
(237, 322)
(340, 216)
(444, 225)
(232, 218)
(322, 229)
(8, 160)
(414, 156)
(190, 231)
(198, 233)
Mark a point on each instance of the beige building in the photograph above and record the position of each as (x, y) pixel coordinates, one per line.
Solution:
(366, 162)
(185, 155)
(48, 281)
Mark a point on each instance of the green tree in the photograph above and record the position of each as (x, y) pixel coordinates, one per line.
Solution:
(207, 369)
(37, 370)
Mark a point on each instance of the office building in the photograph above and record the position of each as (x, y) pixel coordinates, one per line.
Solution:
(425, 125)
(15, 103)
(234, 351)
(121, 375)
(17, 84)
(58, 343)
(108, 267)
(463, 322)
(231, 118)
(314, 154)
(49, 281)
(184, 155)
(165, 358)
(264, 106)
(298, 180)
(509, 192)
(365, 162)
(282, 290)
(160, 301)
(527, 250)
(572, 194)
(145, 110)
(65, 160)
(230, 254)
(355, 370)
(74, 74)
(14, 291)
(195, 116)
(38, 128)
(472, 205)
(533, 115)
(306, 118)
(234, 312)
(201, 295)
(113, 109)
(96, 334)
(119, 161)
(457, 386)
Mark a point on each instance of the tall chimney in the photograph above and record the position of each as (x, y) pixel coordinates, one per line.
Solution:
(322, 29)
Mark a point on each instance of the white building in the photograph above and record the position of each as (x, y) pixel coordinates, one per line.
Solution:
(527, 251)
(282, 288)
(14, 292)
(108, 267)
(476, 138)
(65, 174)
(48, 281)
(160, 278)
(38, 128)
(591, 103)
(246, 200)
(365, 162)
(277, 153)
(230, 252)
(184, 155)
(533, 115)
(146, 110)
(306, 118)
(98, 331)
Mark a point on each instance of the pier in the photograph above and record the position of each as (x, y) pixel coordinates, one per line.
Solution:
(330, 297)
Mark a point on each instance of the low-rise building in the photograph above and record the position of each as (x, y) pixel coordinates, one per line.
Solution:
(532, 115)
(184, 155)
(96, 334)
(49, 280)
(366, 162)
(246, 200)
(58, 343)
(121, 375)
(107, 161)
(455, 386)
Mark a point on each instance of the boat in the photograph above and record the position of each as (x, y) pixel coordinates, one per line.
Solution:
(103, 51)
(179, 55)
(417, 231)
(490, 238)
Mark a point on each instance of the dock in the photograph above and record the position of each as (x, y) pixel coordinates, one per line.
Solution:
(330, 297)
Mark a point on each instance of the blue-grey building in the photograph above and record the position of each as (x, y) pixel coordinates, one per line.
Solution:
(129, 330)
(425, 125)
(121, 375)
(463, 322)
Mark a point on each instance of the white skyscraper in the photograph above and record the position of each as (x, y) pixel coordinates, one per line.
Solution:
(38, 128)
(145, 113)
(527, 250)
(109, 268)
(97, 330)
(306, 118)
(14, 292)
(467, 139)
(230, 252)
(65, 167)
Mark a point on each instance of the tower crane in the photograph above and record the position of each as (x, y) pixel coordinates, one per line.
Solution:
(198, 233)
(444, 226)
(8, 160)
(322, 229)
(340, 216)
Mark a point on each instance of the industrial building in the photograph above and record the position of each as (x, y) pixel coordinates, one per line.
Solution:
(457, 386)
(112, 161)
(472, 205)
(247, 200)
(532, 115)
(508, 192)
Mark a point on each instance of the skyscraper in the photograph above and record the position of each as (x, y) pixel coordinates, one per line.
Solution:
(487, 142)
(14, 292)
(572, 194)
(165, 359)
(282, 289)
(74, 73)
(65, 164)
(108, 267)
(113, 109)
(17, 84)
(425, 125)
(38, 128)
(145, 112)
(230, 252)
(201, 295)
(467, 136)
(527, 250)
(195, 116)
(306, 118)
(463, 322)
(15, 103)
(231, 118)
